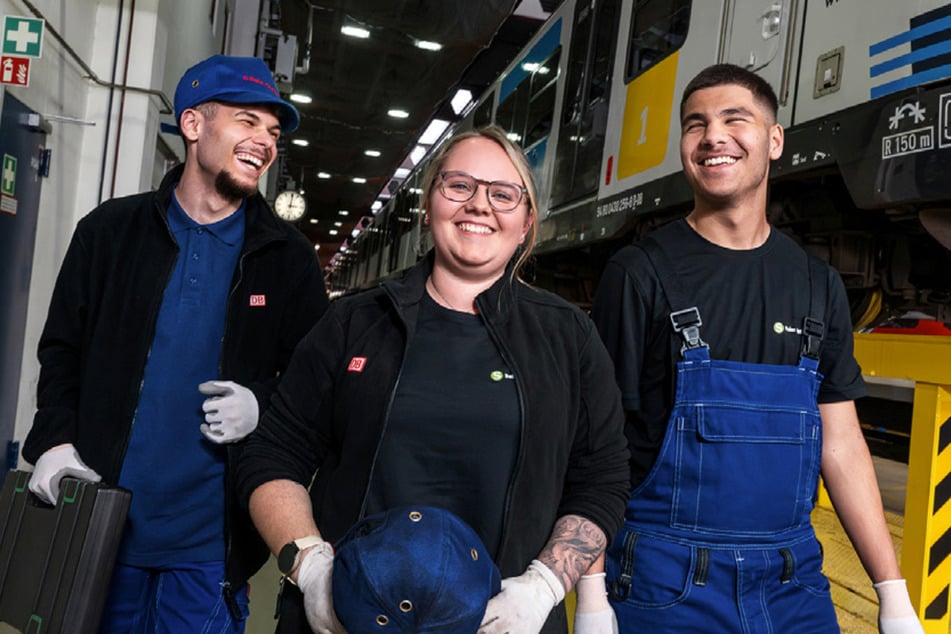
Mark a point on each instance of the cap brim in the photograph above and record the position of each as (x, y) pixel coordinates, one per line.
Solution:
(287, 114)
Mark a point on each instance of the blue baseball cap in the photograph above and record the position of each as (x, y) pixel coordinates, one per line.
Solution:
(412, 569)
(245, 80)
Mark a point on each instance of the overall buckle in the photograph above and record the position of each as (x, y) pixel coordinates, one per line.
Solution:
(812, 331)
(687, 323)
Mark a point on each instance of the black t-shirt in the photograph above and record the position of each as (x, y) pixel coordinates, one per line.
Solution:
(452, 432)
(752, 304)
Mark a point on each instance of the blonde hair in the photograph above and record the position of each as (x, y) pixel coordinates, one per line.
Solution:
(498, 136)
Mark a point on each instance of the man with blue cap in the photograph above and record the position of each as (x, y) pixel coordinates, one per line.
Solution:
(173, 315)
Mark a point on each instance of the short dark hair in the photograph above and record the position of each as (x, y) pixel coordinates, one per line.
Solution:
(726, 74)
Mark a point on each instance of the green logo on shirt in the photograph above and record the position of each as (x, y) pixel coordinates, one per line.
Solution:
(778, 328)
(497, 375)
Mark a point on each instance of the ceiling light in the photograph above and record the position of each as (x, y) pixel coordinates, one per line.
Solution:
(314, 221)
(338, 224)
(427, 45)
(417, 154)
(373, 153)
(355, 31)
(396, 113)
(301, 142)
(460, 100)
(359, 180)
(433, 131)
(343, 212)
(299, 98)
(316, 247)
(323, 175)
(401, 173)
(333, 232)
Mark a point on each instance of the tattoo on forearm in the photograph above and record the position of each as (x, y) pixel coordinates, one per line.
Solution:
(574, 545)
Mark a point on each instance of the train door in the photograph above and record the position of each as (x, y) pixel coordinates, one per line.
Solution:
(757, 32)
(586, 97)
(21, 145)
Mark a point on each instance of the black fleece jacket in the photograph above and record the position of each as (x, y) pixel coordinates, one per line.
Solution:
(327, 418)
(102, 319)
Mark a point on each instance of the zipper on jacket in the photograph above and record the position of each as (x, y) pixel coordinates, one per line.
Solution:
(117, 468)
(389, 405)
(507, 358)
(229, 503)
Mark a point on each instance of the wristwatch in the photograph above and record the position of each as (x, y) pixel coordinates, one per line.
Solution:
(289, 557)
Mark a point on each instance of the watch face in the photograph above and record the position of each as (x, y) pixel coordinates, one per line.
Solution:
(287, 557)
(290, 205)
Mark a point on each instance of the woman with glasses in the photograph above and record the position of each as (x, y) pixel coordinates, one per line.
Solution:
(457, 386)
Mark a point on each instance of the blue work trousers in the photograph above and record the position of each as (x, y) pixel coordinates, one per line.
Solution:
(174, 600)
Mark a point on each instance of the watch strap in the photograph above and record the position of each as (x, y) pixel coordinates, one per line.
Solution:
(297, 547)
(303, 543)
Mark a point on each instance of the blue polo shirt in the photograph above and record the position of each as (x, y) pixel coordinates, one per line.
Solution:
(175, 474)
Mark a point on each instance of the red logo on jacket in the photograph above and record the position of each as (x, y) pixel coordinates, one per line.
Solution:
(357, 364)
(258, 300)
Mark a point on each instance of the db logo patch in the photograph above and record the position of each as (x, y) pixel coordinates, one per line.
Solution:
(258, 300)
(357, 364)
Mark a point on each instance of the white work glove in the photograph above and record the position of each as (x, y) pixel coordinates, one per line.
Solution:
(55, 464)
(523, 604)
(314, 578)
(593, 613)
(895, 612)
(230, 414)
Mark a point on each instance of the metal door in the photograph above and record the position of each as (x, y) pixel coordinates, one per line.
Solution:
(756, 33)
(586, 98)
(22, 144)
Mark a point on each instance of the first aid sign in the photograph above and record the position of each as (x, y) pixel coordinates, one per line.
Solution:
(22, 37)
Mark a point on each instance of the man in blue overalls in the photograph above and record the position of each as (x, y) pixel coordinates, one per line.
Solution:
(733, 351)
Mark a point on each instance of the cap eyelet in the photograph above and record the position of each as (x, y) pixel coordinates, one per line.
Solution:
(382, 619)
(406, 606)
(474, 554)
(194, 83)
(415, 516)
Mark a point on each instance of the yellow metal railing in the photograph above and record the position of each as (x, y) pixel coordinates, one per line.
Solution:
(926, 542)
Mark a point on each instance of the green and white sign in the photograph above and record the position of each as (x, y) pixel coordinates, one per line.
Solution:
(22, 36)
(9, 175)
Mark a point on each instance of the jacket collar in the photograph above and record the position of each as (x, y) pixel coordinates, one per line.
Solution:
(261, 224)
(493, 303)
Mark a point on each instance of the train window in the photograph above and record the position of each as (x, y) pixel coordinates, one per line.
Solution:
(483, 113)
(541, 107)
(512, 112)
(658, 28)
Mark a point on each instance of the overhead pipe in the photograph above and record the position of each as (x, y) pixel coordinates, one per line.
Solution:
(169, 108)
(304, 68)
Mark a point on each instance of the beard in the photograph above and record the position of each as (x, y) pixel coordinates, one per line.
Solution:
(230, 188)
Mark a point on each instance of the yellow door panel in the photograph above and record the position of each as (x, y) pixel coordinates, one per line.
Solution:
(646, 127)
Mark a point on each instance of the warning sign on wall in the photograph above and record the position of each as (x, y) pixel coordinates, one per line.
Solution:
(15, 70)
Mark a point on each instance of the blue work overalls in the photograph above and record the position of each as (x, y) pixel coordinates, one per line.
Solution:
(718, 538)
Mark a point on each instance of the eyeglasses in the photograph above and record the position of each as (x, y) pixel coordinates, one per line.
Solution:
(460, 187)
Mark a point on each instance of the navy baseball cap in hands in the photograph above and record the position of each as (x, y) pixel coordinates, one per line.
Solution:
(235, 80)
(412, 569)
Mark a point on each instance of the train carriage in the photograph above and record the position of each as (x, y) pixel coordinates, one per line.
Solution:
(865, 97)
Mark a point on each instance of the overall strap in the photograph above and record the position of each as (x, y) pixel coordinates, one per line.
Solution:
(685, 318)
(813, 326)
